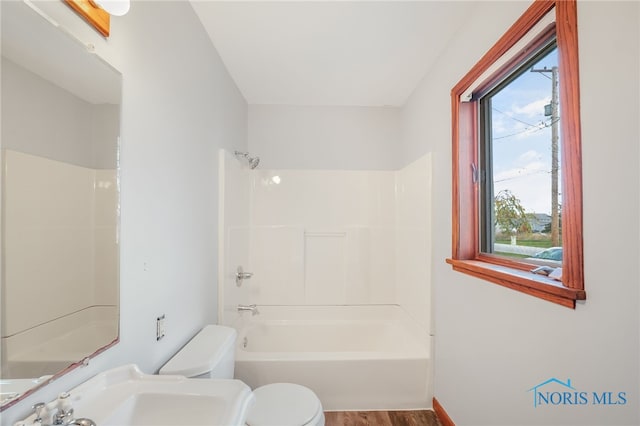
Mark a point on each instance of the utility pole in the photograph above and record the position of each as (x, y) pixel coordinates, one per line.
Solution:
(555, 120)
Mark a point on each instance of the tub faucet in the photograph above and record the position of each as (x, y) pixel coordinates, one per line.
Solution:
(253, 308)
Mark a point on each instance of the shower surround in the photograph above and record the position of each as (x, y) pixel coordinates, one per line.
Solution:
(325, 247)
(326, 237)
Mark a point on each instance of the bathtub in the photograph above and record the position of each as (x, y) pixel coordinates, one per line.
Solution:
(53, 346)
(352, 357)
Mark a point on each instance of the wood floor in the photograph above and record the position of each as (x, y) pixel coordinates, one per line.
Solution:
(381, 418)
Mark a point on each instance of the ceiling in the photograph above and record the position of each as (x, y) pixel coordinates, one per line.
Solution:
(23, 31)
(330, 52)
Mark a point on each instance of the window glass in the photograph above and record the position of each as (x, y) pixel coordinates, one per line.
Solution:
(520, 192)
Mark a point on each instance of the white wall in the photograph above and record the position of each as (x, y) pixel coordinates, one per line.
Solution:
(179, 106)
(34, 110)
(330, 138)
(105, 129)
(494, 344)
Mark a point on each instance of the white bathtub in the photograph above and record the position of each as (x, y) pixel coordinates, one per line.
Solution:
(353, 357)
(53, 346)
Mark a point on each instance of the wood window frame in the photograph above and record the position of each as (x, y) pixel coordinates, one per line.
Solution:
(466, 256)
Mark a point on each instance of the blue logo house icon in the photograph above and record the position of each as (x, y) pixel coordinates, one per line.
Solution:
(562, 397)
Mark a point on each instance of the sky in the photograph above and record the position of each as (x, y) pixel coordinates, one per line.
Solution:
(522, 138)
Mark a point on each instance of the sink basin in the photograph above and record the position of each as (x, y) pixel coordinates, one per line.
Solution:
(13, 388)
(125, 396)
(146, 409)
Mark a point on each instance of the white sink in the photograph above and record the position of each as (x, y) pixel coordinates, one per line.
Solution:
(125, 396)
(13, 388)
(142, 409)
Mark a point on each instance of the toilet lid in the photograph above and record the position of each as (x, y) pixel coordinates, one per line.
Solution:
(203, 353)
(283, 404)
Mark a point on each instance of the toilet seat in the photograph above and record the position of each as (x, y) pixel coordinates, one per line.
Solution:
(285, 404)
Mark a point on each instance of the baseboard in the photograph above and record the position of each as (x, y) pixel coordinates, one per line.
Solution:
(442, 414)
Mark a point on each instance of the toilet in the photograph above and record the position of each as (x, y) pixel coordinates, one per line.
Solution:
(211, 354)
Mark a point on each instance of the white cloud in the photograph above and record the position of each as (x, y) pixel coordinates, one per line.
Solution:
(533, 167)
(532, 109)
(533, 191)
(529, 157)
(501, 125)
(531, 183)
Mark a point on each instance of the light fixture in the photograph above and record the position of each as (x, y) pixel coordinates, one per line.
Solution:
(113, 7)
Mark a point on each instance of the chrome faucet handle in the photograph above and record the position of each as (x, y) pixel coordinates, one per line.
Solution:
(64, 415)
(241, 276)
(39, 408)
(253, 308)
(82, 422)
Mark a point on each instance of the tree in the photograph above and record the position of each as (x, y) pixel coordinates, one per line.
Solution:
(509, 213)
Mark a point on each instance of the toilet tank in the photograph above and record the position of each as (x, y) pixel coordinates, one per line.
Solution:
(210, 354)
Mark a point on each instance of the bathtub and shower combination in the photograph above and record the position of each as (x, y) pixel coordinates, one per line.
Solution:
(370, 357)
(331, 252)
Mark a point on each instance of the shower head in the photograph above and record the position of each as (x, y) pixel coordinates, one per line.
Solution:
(253, 161)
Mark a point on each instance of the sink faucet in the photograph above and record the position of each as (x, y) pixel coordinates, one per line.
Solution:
(63, 416)
(64, 413)
(253, 308)
(82, 422)
(66, 421)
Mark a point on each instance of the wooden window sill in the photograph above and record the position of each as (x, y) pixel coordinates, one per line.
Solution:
(523, 281)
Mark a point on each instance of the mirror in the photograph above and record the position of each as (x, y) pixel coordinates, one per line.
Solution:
(60, 202)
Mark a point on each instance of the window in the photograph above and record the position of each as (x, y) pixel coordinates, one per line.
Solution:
(518, 160)
(517, 185)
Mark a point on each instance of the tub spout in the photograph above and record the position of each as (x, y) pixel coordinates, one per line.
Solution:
(253, 308)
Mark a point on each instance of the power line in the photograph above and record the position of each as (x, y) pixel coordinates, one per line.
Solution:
(544, 75)
(513, 118)
(521, 176)
(532, 129)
